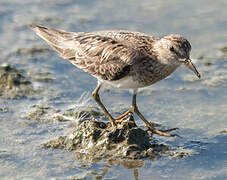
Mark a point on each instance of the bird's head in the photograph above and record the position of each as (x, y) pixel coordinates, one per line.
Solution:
(174, 49)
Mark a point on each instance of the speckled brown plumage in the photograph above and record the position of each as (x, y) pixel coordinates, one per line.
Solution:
(121, 58)
(108, 55)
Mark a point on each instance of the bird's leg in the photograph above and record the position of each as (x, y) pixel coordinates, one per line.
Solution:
(95, 95)
(148, 124)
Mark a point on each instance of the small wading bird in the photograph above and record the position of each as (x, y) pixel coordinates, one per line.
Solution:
(123, 59)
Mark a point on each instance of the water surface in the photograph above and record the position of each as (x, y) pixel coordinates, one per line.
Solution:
(197, 107)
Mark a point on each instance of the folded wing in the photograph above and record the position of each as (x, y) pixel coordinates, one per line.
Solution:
(98, 53)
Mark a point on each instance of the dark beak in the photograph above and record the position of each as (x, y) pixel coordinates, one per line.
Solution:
(192, 67)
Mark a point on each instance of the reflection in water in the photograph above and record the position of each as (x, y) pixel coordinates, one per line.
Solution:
(133, 164)
(129, 164)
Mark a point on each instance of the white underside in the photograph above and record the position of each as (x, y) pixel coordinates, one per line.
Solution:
(124, 83)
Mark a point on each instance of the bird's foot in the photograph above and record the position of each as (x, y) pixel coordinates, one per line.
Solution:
(113, 125)
(121, 117)
(163, 132)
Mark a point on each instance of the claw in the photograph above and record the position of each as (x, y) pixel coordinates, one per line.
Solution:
(168, 130)
(163, 132)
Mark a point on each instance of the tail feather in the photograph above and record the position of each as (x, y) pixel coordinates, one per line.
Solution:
(57, 39)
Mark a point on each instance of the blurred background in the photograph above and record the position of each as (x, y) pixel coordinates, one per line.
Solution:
(35, 83)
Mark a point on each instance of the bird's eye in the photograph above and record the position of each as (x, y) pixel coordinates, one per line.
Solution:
(172, 49)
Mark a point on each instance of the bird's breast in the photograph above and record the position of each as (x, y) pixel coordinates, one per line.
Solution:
(127, 82)
(151, 74)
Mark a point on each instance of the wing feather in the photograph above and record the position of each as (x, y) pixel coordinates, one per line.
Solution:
(102, 54)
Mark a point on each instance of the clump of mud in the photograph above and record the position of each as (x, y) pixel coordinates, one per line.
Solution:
(91, 139)
(13, 84)
(95, 140)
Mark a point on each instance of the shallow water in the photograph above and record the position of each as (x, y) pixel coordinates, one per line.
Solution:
(197, 107)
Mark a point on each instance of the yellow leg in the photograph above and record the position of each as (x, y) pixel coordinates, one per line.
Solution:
(95, 95)
(148, 124)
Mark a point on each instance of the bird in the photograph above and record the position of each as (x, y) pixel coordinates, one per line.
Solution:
(122, 59)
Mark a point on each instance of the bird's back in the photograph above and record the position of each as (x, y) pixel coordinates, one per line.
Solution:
(104, 54)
